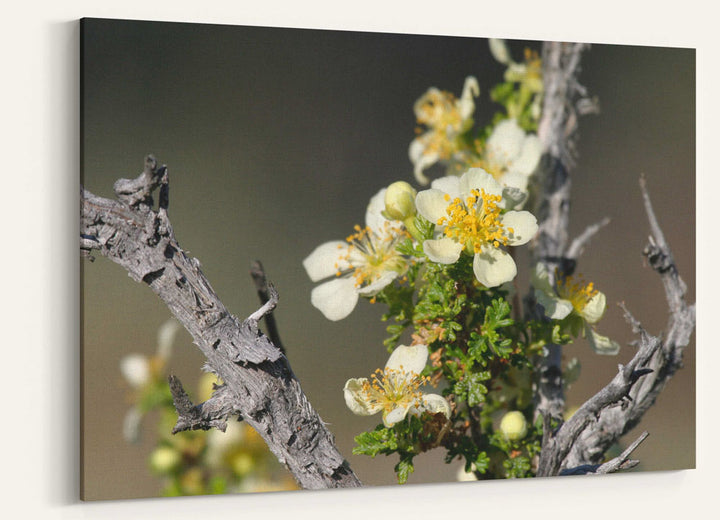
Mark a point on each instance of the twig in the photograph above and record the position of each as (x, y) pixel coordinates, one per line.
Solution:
(622, 461)
(619, 463)
(577, 246)
(264, 293)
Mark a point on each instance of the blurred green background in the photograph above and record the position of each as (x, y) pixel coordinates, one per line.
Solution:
(276, 139)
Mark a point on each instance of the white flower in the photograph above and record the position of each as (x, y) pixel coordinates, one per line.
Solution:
(446, 118)
(562, 297)
(395, 391)
(135, 368)
(467, 214)
(511, 156)
(219, 442)
(166, 338)
(363, 264)
(499, 50)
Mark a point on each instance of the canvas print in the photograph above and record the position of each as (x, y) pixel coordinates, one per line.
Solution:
(323, 259)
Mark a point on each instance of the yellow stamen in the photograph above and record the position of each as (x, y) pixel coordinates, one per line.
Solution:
(476, 221)
(370, 255)
(392, 388)
(575, 292)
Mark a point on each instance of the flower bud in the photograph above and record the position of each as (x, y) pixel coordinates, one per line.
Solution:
(513, 426)
(400, 201)
(164, 459)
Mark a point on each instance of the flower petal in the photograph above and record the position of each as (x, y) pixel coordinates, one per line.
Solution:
(431, 204)
(449, 184)
(523, 224)
(421, 158)
(379, 284)
(435, 403)
(595, 308)
(355, 398)
(478, 179)
(499, 50)
(443, 250)
(326, 260)
(466, 105)
(505, 143)
(555, 308)
(395, 416)
(601, 344)
(373, 215)
(493, 267)
(336, 299)
(514, 180)
(166, 337)
(131, 424)
(408, 359)
(531, 151)
(135, 368)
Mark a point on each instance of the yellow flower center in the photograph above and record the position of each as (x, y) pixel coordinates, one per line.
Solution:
(390, 389)
(575, 292)
(370, 255)
(476, 221)
(439, 110)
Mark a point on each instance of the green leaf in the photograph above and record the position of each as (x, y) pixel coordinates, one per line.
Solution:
(404, 468)
(425, 227)
(380, 440)
(482, 462)
(502, 92)
(517, 467)
(471, 388)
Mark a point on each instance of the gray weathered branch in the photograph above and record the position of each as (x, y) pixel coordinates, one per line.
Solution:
(259, 385)
(618, 407)
(664, 361)
(564, 98)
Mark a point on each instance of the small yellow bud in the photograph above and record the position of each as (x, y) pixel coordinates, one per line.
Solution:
(513, 426)
(242, 463)
(164, 459)
(400, 200)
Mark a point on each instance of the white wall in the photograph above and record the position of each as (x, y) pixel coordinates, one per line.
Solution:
(40, 432)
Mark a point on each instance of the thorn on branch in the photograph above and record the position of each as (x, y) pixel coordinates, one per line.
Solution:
(578, 245)
(138, 191)
(266, 308)
(264, 290)
(212, 413)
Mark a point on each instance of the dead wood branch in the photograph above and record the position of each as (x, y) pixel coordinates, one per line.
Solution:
(618, 407)
(665, 359)
(563, 100)
(259, 385)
